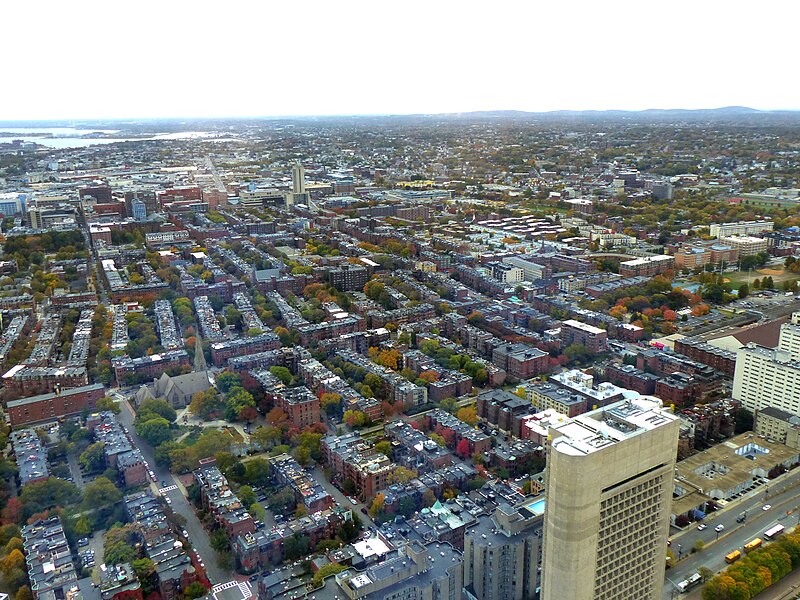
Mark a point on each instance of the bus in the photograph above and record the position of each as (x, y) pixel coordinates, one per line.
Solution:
(733, 556)
(752, 545)
(687, 584)
(774, 531)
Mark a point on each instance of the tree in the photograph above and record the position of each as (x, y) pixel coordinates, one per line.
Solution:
(377, 505)
(401, 475)
(119, 544)
(93, 458)
(744, 420)
(83, 526)
(227, 380)
(257, 511)
(40, 495)
(743, 291)
(449, 405)
(462, 448)
(194, 590)
(219, 541)
(384, 447)
(155, 431)
(283, 374)
(101, 493)
(107, 403)
(206, 405)
(326, 571)
(698, 545)
(12, 513)
(13, 560)
(468, 414)
(24, 593)
(246, 495)
(705, 574)
(156, 407)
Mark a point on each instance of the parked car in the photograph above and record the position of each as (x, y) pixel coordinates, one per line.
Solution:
(83, 541)
(701, 527)
(719, 527)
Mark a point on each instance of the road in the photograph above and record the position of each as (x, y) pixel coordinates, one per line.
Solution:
(781, 495)
(180, 504)
(215, 174)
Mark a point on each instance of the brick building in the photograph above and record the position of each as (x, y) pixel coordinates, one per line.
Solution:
(592, 338)
(53, 406)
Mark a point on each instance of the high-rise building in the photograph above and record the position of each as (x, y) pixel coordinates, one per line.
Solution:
(609, 490)
(770, 376)
(298, 179)
(502, 553)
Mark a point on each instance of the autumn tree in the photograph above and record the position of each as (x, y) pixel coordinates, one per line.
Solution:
(468, 414)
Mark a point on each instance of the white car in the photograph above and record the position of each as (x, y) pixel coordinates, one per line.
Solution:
(719, 528)
(766, 507)
(701, 527)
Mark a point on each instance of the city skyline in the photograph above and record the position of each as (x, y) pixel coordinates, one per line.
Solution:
(100, 63)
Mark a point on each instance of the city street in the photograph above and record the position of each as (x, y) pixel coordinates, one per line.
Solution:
(781, 495)
(180, 504)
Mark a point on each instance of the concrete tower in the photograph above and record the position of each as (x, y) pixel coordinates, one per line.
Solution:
(609, 489)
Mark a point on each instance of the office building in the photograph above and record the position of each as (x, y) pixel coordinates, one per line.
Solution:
(609, 492)
(647, 266)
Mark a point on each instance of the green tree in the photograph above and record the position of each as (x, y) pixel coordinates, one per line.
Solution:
(449, 405)
(107, 403)
(155, 431)
(743, 291)
(101, 493)
(194, 590)
(282, 373)
(41, 495)
(246, 495)
(93, 458)
(227, 380)
(384, 447)
(156, 407)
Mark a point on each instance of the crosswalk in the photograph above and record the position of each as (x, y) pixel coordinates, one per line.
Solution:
(244, 588)
(169, 488)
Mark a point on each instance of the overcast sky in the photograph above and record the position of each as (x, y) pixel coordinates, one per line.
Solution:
(86, 59)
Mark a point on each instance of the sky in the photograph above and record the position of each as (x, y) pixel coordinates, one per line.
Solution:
(97, 60)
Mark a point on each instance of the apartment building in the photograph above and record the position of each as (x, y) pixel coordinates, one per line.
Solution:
(459, 430)
(53, 406)
(351, 458)
(129, 370)
(30, 456)
(720, 230)
(222, 351)
(502, 553)
(305, 488)
(593, 338)
(119, 451)
(746, 245)
(415, 450)
(48, 559)
(501, 408)
(770, 376)
(648, 266)
(521, 360)
(218, 499)
(609, 493)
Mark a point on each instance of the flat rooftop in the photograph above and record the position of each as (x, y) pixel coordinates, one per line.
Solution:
(592, 431)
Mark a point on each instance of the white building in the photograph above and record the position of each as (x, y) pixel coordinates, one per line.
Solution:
(720, 230)
(770, 376)
(609, 491)
(746, 245)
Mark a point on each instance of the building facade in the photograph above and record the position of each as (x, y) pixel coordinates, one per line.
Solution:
(609, 493)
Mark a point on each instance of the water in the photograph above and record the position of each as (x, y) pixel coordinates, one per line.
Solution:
(69, 137)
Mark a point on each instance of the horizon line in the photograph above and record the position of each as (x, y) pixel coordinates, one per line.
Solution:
(555, 112)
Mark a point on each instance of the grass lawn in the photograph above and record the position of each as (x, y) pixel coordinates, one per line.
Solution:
(778, 276)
